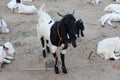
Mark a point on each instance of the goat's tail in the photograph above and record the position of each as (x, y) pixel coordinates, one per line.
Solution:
(41, 9)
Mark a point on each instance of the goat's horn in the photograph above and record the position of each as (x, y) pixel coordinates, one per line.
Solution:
(60, 14)
(73, 12)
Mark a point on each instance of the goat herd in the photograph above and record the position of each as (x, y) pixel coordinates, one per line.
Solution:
(56, 35)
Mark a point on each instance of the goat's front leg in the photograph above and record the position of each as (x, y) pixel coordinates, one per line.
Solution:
(109, 22)
(43, 50)
(63, 63)
(56, 63)
(62, 54)
(7, 61)
(9, 58)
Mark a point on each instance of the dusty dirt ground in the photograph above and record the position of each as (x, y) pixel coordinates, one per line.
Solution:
(29, 62)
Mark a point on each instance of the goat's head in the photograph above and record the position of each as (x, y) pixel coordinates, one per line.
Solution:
(68, 22)
(9, 48)
(3, 27)
(79, 26)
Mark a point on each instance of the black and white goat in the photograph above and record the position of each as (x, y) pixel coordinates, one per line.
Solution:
(55, 32)
(79, 27)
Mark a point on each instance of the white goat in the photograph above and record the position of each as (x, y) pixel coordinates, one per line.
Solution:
(113, 8)
(12, 5)
(109, 48)
(21, 7)
(26, 9)
(3, 27)
(95, 2)
(7, 53)
(107, 18)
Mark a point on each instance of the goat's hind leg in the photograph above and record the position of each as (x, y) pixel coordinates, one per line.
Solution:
(47, 46)
(109, 22)
(43, 50)
(43, 45)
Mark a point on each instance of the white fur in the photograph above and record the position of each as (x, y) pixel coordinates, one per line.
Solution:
(12, 4)
(107, 18)
(113, 8)
(3, 27)
(43, 26)
(6, 55)
(107, 47)
(21, 7)
(26, 9)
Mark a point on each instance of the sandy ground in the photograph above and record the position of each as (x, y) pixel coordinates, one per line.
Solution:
(29, 62)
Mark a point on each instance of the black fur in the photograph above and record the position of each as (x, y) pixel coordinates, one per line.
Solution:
(18, 1)
(66, 27)
(47, 47)
(79, 27)
(63, 63)
(63, 28)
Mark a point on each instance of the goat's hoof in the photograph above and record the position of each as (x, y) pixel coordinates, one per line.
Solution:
(64, 70)
(56, 70)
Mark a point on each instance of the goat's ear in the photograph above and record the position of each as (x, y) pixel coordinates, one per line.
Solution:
(60, 14)
(5, 48)
(73, 12)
